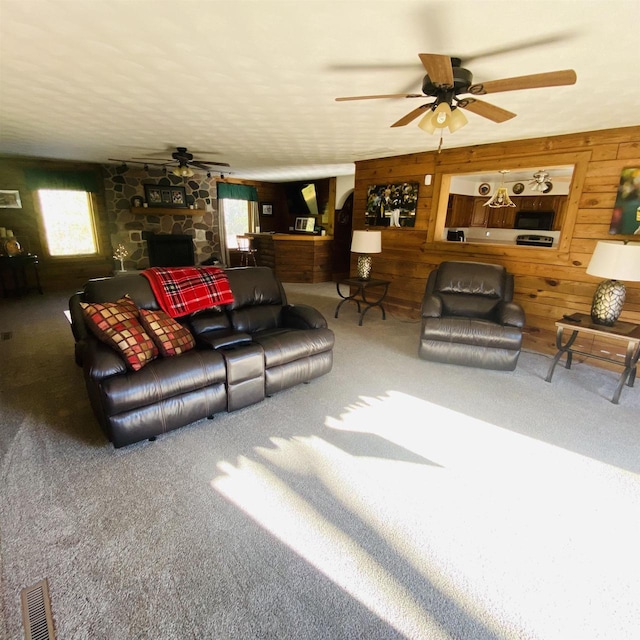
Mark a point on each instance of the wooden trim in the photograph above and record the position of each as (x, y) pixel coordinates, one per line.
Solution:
(169, 211)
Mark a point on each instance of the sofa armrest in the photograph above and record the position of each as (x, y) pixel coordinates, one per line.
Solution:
(432, 306)
(302, 316)
(78, 327)
(511, 314)
(100, 361)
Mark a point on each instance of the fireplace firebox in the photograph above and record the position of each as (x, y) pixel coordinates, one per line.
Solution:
(169, 250)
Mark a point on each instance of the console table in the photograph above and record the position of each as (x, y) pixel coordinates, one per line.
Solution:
(624, 332)
(17, 266)
(360, 295)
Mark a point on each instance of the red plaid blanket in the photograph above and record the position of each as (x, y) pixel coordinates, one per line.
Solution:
(183, 290)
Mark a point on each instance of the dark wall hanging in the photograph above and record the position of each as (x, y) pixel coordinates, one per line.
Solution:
(392, 205)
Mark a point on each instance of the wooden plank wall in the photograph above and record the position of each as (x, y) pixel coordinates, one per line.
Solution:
(548, 284)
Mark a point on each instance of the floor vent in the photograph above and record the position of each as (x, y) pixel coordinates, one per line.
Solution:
(6, 335)
(36, 612)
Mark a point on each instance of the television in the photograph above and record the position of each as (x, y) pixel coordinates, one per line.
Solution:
(305, 198)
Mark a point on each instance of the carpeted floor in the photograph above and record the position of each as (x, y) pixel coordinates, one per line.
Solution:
(392, 498)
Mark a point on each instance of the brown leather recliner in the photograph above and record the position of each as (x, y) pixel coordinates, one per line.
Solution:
(469, 318)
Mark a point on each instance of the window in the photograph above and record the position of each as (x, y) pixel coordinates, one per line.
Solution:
(236, 220)
(68, 221)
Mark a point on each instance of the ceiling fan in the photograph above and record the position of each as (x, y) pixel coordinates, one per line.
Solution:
(183, 161)
(451, 88)
(541, 182)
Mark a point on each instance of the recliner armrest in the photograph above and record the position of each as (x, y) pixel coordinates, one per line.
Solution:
(302, 316)
(511, 314)
(432, 306)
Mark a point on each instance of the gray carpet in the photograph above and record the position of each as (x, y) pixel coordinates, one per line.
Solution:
(392, 498)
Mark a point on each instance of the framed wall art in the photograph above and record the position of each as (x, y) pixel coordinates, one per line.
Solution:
(266, 209)
(10, 199)
(392, 205)
(165, 196)
(626, 210)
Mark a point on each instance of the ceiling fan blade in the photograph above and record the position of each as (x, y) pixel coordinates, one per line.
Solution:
(412, 115)
(154, 159)
(388, 95)
(206, 163)
(139, 161)
(516, 46)
(438, 67)
(486, 110)
(533, 81)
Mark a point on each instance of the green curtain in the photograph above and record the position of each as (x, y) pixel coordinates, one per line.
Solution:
(227, 191)
(63, 180)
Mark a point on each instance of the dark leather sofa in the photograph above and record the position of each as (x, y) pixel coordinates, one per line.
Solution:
(255, 347)
(469, 317)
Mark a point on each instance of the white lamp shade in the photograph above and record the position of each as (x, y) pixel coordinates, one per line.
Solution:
(366, 242)
(616, 261)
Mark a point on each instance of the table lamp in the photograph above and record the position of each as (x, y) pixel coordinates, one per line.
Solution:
(365, 243)
(615, 261)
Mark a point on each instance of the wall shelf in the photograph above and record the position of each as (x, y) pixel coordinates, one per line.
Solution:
(166, 211)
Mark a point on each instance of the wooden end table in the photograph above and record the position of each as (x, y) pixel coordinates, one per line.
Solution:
(360, 295)
(624, 332)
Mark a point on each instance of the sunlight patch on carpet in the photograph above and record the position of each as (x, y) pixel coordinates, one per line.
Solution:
(527, 538)
(291, 519)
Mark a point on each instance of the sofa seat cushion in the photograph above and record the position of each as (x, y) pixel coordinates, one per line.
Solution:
(161, 379)
(469, 331)
(282, 346)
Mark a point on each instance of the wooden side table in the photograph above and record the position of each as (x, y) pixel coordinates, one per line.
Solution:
(360, 295)
(624, 332)
(17, 266)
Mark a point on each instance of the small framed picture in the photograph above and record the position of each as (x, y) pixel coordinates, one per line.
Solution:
(166, 196)
(10, 200)
(153, 195)
(266, 209)
(484, 189)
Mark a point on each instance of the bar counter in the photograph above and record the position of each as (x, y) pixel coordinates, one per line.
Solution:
(295, 257)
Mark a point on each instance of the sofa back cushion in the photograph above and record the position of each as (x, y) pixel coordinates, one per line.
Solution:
(258, 299)
(111, 289)
(470, 289)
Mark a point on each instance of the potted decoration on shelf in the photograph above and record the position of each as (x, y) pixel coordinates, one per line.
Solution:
(120, 254)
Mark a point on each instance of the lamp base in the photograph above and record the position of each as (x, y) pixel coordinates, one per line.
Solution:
(364, 267)
(608, 301)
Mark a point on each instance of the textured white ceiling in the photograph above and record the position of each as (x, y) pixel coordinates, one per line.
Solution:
(253, 83)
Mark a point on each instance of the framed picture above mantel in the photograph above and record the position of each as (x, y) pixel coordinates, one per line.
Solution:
(165, 196)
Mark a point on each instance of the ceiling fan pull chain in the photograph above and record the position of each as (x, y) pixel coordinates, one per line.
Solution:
(440, 144)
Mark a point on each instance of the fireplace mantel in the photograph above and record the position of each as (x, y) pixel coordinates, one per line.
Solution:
(168, 211)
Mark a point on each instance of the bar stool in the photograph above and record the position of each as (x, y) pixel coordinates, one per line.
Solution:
(246, 251)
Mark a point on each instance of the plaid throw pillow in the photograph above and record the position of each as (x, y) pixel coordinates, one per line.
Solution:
(170, 336)
(116, 324)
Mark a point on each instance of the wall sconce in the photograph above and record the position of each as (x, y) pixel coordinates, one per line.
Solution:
(365, 243)
(615, 261)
